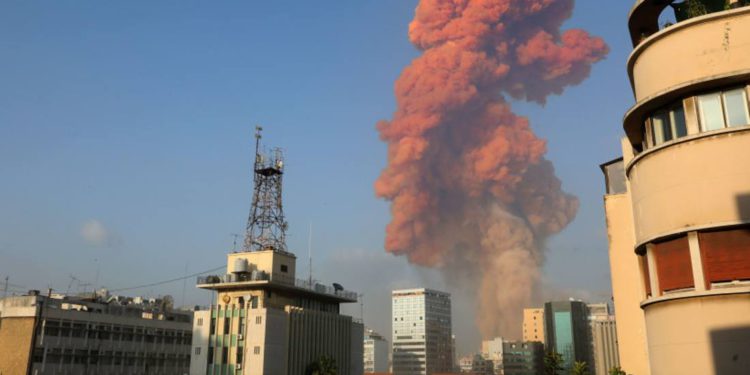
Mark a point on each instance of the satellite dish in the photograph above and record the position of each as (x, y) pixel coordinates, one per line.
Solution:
(338, 287)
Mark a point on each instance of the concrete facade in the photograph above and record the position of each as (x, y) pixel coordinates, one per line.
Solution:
(376, 351)
(268, 322)
(422, 333)
(533, 325)
(679, 225)
(92, 335)
(604, 354)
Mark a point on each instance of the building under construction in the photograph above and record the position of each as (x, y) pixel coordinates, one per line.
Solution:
(265, 320)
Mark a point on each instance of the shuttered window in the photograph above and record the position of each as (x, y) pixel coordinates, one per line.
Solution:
(673, 267)
(725, 255)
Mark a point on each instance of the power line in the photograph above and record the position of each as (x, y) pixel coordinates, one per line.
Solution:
(167, 281)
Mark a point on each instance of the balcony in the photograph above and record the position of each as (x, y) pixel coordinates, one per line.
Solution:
(650, 16)
(277, 280)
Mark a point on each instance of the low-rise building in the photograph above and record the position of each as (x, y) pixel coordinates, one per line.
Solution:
(523, 358)
(266, 321)
(92, 334)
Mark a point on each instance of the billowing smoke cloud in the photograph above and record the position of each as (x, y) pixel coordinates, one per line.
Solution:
(471, 191)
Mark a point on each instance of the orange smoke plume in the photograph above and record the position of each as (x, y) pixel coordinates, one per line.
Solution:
(471, 191)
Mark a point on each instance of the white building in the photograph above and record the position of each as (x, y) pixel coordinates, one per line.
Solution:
(493, 350)
(375, 352)
(422, 339)
(201, 334)
(268, 322)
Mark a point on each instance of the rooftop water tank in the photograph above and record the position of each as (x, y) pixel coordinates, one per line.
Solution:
(241, 266)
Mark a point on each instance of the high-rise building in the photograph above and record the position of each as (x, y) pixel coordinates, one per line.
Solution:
(567, 331)
(678, 201)
(533, 325)
(603, 339)
(523, 358)
(422, 339)
(92, 334)
(376, 352)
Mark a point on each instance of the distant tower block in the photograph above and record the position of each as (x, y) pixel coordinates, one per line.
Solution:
(266, 227)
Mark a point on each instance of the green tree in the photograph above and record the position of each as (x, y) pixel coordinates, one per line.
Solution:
(579, 368)
(617, 371)
(323, 366)
(553, 363)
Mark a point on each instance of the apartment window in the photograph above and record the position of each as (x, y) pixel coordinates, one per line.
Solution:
(200, 322)
(673, 266)
(723, 109)
(668, 124)
(227, 325)
(256, 350)
(284, 268)
(725, 255)
(197, 350)
(258, 320)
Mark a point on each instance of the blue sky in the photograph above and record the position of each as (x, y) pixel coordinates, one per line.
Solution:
(126, 140)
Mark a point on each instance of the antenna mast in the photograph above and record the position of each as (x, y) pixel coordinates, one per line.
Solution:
(266, 226)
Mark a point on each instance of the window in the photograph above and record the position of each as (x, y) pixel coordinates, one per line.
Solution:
(668, 124)
(284, 268)
(673, 265)
(723, 109)
(200, 322)
(256, 350)
(227, 326)
(197, 350)
(725, 255)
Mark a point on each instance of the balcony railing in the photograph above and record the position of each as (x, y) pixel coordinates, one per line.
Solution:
(282, 279)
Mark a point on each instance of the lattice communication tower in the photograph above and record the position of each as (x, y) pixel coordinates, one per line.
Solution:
(266, 226)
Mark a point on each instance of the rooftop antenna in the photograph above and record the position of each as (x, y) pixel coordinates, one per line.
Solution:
(309, 253)
(70, 284)
(234, 243)
(5, 290)
(266, 226)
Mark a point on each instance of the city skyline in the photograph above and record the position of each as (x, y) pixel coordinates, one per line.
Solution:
(140, 182)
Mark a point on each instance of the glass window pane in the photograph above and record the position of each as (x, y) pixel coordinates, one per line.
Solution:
(736, 107)
(712, 116)
(678, 122)
(661, 128)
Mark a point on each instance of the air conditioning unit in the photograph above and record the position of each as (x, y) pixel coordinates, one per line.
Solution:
(239, 366)
(239, 337)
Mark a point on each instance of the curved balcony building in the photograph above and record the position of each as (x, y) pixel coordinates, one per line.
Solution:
(678, 201)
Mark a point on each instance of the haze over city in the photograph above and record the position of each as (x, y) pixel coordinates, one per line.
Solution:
(127, 134)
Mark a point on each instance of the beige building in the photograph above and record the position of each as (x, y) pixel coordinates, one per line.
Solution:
(96, 334)
(533, 325)
(267, 322)
(604, 354)
(678, 202)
